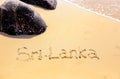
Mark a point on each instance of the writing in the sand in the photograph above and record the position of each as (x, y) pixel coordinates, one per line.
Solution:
(24, 55)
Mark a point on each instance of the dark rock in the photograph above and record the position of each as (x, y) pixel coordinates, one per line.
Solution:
(0, 19)
(47, 4)
(18, 19)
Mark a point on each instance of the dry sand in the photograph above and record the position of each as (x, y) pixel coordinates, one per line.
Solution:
(69, 28)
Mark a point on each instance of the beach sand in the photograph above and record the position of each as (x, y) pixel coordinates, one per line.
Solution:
(107, 7)
(69, 28)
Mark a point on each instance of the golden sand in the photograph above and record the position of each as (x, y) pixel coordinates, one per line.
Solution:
(69, 28)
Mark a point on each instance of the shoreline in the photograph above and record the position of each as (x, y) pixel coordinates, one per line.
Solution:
(70, 29)
(103, 15)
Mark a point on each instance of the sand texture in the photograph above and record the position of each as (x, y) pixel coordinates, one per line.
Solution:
(70, 29)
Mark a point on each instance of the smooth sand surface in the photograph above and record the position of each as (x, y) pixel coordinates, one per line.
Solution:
(69, 28)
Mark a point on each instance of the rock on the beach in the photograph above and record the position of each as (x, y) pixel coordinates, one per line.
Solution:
(19, 19)
(47, 4)
(0, 19)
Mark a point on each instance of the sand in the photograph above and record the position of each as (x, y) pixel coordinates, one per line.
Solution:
(69, 29)
(107, 7)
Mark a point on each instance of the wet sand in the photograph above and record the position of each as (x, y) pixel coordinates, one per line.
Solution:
(69, 28)
(109, 8)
